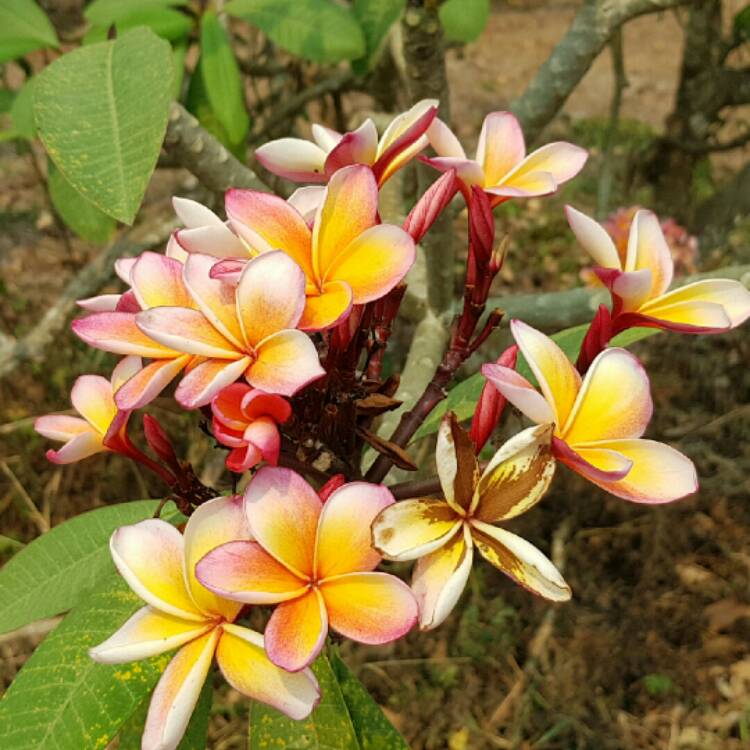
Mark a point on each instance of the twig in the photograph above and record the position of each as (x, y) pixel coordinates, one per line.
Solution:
(416, 488)
(592, 27)
(39, 520)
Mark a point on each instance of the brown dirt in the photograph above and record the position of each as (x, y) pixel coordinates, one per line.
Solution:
(652, 653)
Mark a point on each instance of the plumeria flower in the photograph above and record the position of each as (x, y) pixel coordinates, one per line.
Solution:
(316, 562)
(244, 331)
(203, 228)
(639, 278)
(442, 534)
(598, 420)
(348, 258)
(92, 397)
(156, 282)
(158, 563)
(501, 166)
(246, 420)
(306, 161)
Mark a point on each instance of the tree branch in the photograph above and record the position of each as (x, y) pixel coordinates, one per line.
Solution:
(591, 29)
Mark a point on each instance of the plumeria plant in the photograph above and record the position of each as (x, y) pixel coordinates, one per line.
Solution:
(270, 324)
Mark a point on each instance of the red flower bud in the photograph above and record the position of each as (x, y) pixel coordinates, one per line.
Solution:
(431, 205)
(336, 481)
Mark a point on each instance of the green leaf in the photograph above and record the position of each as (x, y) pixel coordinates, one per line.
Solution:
(62, 699)
(102, 112)
(375, 17)
(464, 20)
(197, 729)
(222, 80)
(22, 111)
(9, 545)
(346, 718)
(7, 97)
(741, 24)
(106, 12)
(373, 729)
(165, 22)
(24, 27)
(179, 53)
(462, 399)
(82, 216)
(58, 569)
(318, 30)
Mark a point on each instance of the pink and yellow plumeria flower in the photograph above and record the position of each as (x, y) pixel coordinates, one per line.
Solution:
(639, 278)
(156, 282)
(304, 161)
(598, 420)
(93, 398)
(158, 564)
(501, 166)
(442, 534)
(247, 421)
(245, 331)
(347, 257)
(316, 562)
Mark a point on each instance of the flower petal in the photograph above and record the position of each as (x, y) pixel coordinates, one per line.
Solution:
(60, 426)
(92, 398)
(325, 137)
(263, 434)
(296, 632)
(307, 200)
(257, 403)
(282, 510)
(350, 207)
(443, 141)
(244, 572)
(193, 214)
(123, 266)
(501, 146)
(286, 363)
(529, 185)
(184, 331)
(216, 241)
(157, 282)
(294, 159)
(270, 296)
(374, 262)
(614, 400)
(203, 382)
(517, 476)
(413, 528)
(212, 524)
(521, 561)
(519, 392)
(100, 303)
(149, 382)
(77, 448)
(659, 474)
(561, 160)
(594, 239)
(214, 298)
(370, 608)
(149, 556)
(243, 661)
(177, 692)
(457, 465)
(594, 464)
(647, 248)
(267, 222)
(557, 378)
(440, 578)
(467, 170)
(118, 333)
(344, 540)
(147, 633)
(630, 289)
(327, 309)
(356, 147)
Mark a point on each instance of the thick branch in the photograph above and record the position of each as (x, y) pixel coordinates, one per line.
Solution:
(199, 152)
(592, 27)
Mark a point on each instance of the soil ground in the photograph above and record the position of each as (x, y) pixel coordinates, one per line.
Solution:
(652, 653)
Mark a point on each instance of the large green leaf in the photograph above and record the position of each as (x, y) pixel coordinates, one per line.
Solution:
(222, 80)
(24, 27)
(58, 569)
(346, 718)
(462, 399)
(319, 30)
(373, 729)
(195, 734)
(62, 699)
(464, 20)
(101, 112)
(82, 216)
(375, 17)
(165, 22)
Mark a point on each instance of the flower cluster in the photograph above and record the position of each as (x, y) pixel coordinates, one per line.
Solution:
(275, 322)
